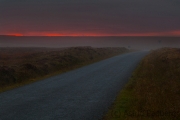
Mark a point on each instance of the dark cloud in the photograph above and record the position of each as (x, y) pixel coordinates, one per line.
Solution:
(105, 16)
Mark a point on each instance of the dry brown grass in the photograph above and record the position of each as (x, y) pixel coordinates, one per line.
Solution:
(153, 92)
(19, 66)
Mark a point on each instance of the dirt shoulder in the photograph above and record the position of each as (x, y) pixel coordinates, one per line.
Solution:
(153, 91)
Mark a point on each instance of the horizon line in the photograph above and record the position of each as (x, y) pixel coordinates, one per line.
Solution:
(175, 33)
(92, 36)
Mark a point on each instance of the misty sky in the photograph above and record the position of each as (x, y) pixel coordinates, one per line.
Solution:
(90, 17)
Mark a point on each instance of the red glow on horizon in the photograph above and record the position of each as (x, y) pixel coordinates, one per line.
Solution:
(50, 34)
(176, 33)
(14, 34)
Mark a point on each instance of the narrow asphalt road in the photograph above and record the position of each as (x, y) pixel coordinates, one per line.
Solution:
(81, 94)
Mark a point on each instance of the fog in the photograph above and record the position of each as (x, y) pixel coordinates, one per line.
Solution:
(145, 43)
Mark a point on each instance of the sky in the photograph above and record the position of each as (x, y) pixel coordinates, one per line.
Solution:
(90, 17)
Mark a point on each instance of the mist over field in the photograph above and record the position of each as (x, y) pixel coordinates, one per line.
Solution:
(144, 43)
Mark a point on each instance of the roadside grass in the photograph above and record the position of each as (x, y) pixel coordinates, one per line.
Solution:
(20, 66)
(153, 92)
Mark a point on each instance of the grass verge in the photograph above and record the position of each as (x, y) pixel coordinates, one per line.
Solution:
(153, 92)
(20, 66)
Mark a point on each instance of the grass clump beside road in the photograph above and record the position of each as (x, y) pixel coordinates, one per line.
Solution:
(153, 92)
(19, 66)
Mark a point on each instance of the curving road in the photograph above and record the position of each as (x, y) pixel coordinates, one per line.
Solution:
(81, 94)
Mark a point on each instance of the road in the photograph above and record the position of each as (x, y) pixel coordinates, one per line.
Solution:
(81, 94)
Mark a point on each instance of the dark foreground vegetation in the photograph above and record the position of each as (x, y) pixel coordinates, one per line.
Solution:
(153, 92)
(19, 66)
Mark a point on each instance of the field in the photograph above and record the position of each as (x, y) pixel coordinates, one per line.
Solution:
(153, 92)
(19, 66)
